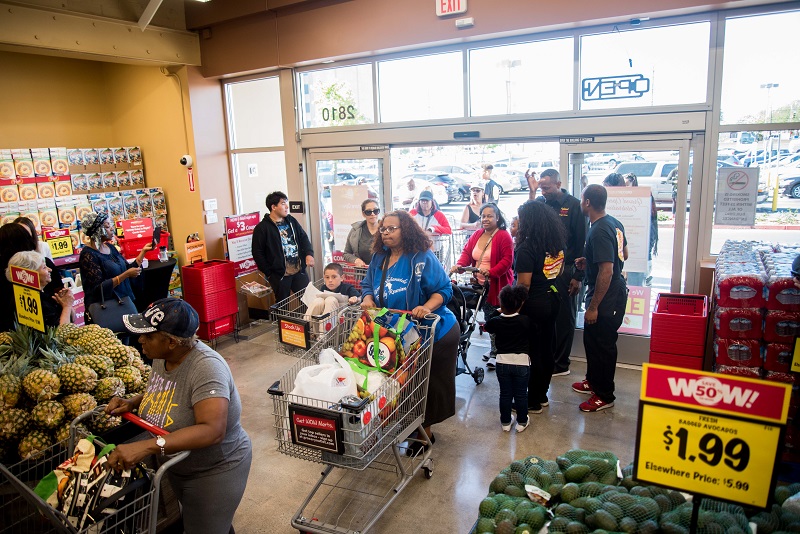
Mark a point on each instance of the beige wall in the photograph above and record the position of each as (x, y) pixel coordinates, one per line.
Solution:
(333, 29)
(47, 101)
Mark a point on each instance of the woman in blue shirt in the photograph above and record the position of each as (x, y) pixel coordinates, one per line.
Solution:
(405, 275)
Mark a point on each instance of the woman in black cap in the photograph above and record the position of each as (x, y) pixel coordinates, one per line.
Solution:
(102, 266)
(428, 216)
(191, 394)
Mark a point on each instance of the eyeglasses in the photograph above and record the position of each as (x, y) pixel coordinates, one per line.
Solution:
(388, 229)
(372, 212)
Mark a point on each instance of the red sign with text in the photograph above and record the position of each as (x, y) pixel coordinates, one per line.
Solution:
(239, 233)
(55, 234)
(727, 394)
(137, 228)
(25, 277)
(450, 7)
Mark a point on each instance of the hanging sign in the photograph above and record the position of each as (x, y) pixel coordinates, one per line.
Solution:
(60, 242)
(737, 195)
(450, 7)
(239, 234)
(611, 87)
(710, 434)
(28, 297)
(631, 206)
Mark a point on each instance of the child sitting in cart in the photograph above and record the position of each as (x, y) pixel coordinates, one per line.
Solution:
(325, 304)
(513, 362)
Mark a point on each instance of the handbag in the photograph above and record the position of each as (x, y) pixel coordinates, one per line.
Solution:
(109, 315)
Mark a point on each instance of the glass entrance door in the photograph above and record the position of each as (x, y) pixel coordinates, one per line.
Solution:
(649, 184)
(339, 182)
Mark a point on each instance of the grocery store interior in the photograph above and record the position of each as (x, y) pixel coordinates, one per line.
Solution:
(336, 101)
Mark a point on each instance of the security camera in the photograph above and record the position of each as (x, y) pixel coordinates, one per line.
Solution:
(186, 160)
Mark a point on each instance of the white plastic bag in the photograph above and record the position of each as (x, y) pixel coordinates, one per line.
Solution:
(329, 380)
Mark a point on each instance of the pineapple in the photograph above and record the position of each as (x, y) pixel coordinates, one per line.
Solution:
(102, 365)
(13, 423)
(5, 338)
(41, 384)
(11, 373)
(63, 432)
(33, 445)
(143, 368)
(108, 388)
(103, 422)
(78, 403)
(67, 333)
(77, 378)
(48, 414)
(117, 352)
(131, 376)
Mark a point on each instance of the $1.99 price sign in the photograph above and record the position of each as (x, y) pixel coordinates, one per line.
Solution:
(29, 307)
(59, 242)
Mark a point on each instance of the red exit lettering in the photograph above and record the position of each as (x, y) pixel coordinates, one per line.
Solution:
(450, 7)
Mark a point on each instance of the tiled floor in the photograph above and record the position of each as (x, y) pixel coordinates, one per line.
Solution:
(470, 448)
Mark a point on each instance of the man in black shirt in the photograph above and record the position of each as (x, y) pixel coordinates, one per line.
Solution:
(568, 209)
(606, 251)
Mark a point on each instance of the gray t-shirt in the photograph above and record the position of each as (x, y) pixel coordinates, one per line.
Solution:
(169, 399)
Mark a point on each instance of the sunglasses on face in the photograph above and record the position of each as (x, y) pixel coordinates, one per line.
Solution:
(372, 212)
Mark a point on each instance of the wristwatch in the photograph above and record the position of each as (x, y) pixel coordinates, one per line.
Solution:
(161, 442)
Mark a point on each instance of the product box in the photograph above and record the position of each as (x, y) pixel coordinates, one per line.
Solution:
(115, 208)
(23, 162)
(75, 236)
(82, 207)
(124, 179)
(778, 357)
(120, 157)
(63, 185)
(48, 218)
(80, 182)
(137, 178)
(106, 159)
(67, 218)
(8, 217)
(91, 159)
(27, 188)
(159, 202)
(134, 156)
(75, 157)
(145, 203)
(130, 204)
(95, 182)
(6, 165)
(59, 161)
(41, 162)
(161, 220)
(109, 180)
(45, 190)
(8, 191)
(98, 202)
(33, 215)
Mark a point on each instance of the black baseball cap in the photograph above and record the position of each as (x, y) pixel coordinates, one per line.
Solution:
(170, 315)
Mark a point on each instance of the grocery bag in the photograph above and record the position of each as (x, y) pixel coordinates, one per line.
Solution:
(329, 380)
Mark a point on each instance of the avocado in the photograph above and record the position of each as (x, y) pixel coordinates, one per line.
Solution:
(576, 527)
(505, 514)
(505, 527)
(605, 520)
(628, 524)
(485, 525)
(488, 507)
(576, 473)
(570, 492)
(614, 509)
(514, 491)
(499, 483)
(664, 503)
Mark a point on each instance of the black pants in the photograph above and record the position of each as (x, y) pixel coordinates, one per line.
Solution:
(283, 287)
(600, 344)
(542, 310)
(565, 323)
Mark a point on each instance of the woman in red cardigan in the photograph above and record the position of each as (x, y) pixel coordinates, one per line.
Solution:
(491, 250)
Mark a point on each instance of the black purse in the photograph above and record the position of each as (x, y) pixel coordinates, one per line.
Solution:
(108, 314)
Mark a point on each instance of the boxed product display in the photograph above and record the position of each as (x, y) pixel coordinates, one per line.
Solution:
(59, 161)
(27, 188)
(106, 156)
(45, 190)
(120, 156)
(41, 162)
(134, 156)
(94, 182)
(109, 180)
(23, 162)
(6, 164)
(91, 157)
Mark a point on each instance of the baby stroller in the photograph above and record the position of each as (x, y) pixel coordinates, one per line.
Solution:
(466, 302)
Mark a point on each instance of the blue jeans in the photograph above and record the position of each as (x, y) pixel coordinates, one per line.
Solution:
(513, 381)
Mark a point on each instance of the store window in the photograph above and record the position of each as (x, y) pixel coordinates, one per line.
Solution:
(254, 113)
(760, 79)
(522, 78)
(421, 88)
(337, 97)
(645, 68)
(757, 189)
(259, 174)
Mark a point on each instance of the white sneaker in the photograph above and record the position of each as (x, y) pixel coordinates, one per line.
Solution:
(507, 427)
(562, 373)
(521, 428)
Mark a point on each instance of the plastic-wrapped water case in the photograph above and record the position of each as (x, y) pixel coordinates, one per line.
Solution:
(741, 276)
(777, 357)
(738, 323)
(752, 372)
(738, 352)
(781, 326)
(774, 376)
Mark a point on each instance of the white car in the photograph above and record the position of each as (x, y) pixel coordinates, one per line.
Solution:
(474, 174)
(402, 198)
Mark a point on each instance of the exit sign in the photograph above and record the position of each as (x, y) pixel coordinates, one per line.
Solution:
(450, 7)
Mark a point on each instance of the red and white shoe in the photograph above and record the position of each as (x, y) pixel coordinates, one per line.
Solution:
(595, 404)
(583, 387)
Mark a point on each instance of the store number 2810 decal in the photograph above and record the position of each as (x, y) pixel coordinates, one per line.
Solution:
(340, 113)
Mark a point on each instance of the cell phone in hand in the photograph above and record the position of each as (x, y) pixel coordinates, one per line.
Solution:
(156, 237)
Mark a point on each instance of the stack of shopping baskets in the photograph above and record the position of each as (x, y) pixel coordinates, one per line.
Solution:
(361, 441)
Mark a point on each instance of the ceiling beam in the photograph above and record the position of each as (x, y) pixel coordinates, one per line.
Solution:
(149, 13)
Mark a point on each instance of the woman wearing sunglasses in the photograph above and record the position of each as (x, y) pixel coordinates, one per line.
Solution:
(404, 274)
(358, 249)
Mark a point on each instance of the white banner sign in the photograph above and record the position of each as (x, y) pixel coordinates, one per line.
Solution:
(737, 195)
(631, 206)
(346, 209)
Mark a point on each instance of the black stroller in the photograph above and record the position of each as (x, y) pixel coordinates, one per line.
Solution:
(466, 302)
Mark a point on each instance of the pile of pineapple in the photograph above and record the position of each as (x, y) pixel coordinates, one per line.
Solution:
(48, 379)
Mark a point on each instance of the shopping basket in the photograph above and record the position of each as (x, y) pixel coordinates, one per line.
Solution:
(22, 510)
(365, 457)
(297, 330)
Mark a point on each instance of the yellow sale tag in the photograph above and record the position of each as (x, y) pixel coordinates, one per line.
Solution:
(60, 246)
(29, 307)
(706, 454)
(796, 355)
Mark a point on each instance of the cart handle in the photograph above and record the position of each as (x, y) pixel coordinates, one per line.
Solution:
(275, 389)
(150, 427)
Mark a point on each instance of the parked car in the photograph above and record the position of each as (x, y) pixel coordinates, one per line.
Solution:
(760, 157)
(599, 162)
(460, 178)
(442, 192)
(790, 185)
(653, 174)
(473, 174)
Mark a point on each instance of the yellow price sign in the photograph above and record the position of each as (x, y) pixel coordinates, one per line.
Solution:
(706, 454)
(29, 307)
(796, 355)
(61, 246)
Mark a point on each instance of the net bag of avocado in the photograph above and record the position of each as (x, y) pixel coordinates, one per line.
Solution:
(784, 515)
(502, 514)
(714, 516)
(579, 466)
(592, 506)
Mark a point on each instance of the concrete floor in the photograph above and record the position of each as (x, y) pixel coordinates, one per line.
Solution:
(470, 448)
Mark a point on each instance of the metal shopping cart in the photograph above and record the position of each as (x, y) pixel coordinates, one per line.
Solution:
(443, 249)
(297, 329)
(22, 510)
(361, 442)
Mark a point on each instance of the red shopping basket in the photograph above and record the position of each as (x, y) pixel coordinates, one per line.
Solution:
(679, 318)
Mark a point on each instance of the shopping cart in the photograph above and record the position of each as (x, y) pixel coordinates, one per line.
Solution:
(353, 275)
(442, 249)
(22, 510)
(366, 455)
(297, 329)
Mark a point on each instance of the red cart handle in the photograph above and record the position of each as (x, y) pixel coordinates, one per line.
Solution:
(150, 427)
